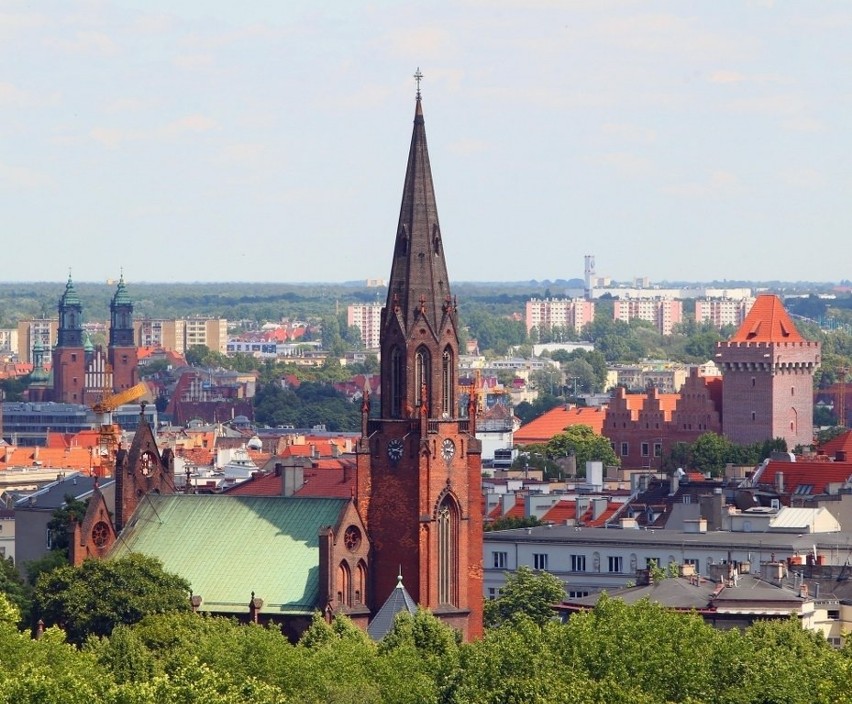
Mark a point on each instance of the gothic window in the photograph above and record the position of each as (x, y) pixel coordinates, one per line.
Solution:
(421, 374)
(344, 592)
(396, 372)
(447, 382)
(361, 584)
(448, 538)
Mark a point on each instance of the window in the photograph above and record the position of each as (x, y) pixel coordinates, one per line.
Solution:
(578, 594)
(578, 563)
(448, 552)
(422, 376)
(753, 415)
(652, 562)
(540, 561)
(644, 449)
(625, 449)
(344, 582)
(49, 539)
(615, 563)
(447, 383)
(492, 593)
(396, 372)
(834, 614)
(658, 449)
(499, 559)
(694, 562)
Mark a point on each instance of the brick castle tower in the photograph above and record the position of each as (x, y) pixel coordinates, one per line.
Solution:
(122, 353)
(419, 464)
(69, 358)
(768, 370)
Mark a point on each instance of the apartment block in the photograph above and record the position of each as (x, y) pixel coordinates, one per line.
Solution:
(570, 313)
(664, 313)
(44, 329)
(181, 334)
(367, 317)
(722, 311)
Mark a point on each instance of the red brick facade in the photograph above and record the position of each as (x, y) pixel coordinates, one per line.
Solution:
(418, 467)
(768, 378)
(643, 427)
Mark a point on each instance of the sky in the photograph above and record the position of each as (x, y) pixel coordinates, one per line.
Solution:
(213, 140)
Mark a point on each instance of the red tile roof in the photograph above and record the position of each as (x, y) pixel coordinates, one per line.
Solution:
(807, 478)
(767, 321)
(558, 419)
(560, 512)
(840, 443)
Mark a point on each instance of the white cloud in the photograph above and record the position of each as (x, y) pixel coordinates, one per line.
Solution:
(13, 96)
(719, 182)
(22, 176)
(86, 42)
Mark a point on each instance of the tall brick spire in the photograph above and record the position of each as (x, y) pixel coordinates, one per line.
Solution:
(420, 314)
(419, 286)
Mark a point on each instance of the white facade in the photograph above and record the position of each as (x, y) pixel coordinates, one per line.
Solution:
(722, 311)
(662, 312)
(568, 313)
(367, 317)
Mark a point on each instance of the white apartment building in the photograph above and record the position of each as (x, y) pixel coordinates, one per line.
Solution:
(569, 313)
(664, 313)
(367, 317)
(722, 311)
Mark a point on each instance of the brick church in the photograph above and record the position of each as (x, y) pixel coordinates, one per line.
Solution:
(415, 515)
(81, 371)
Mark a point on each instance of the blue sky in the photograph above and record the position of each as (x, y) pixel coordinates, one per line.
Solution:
(225, 141)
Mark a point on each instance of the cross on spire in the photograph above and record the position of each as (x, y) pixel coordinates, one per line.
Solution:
(417, 78)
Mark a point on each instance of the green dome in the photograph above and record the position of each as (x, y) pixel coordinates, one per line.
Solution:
(121, 297)
(70, 297)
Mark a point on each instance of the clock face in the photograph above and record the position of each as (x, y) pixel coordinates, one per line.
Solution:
(395, 448)
(448, 449)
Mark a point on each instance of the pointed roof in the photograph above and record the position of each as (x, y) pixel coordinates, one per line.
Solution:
(398, 601)
(70, 297)
(418, 280)
(121, 297)
(767, 321)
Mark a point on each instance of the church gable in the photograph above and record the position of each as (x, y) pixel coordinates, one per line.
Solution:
(95, 535)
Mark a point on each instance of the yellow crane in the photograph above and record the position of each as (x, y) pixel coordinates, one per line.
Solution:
(103, 409)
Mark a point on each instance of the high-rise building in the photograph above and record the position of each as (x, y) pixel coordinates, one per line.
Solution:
(664, 313)
(568, 313)
(419, 462)
(768, 369)
(367, 317)
(722, 311)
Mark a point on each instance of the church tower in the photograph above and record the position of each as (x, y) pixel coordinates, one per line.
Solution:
(768, 378)
(419, 464)
(122, 348)
(69, 361)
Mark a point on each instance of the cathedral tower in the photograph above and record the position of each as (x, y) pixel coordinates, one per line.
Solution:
(768, 378)
(122, 348)
(419, 466)
(69, 362)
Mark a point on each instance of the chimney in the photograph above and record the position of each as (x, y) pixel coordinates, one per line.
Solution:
(599, 505)
(335, 450)
(779, 482)
(294, 478)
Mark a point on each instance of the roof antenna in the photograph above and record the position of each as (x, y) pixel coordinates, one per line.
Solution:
(417, 78)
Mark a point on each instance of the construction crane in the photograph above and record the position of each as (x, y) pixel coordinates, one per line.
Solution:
(107, 430)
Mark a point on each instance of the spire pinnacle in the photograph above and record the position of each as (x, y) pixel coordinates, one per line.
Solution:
(417, 78)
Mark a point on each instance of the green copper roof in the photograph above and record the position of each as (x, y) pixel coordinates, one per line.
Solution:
(87, 343)
(230, 546)
(121, 296)
(70, 296)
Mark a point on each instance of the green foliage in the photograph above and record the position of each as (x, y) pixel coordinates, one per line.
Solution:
(101, 594)
(528, 593)
(582, 442)
(527, 411)
(711, 452)
(13, 587)
(72, 510)
(310, 404)
(507, 523)
(51, 561)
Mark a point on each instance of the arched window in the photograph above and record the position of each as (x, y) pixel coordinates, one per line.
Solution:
(447, 396)
(344, 585)
(361, 584)
(396, 377)
(422, 365)
(448, 540)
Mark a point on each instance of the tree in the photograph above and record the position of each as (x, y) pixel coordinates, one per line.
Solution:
(528, 593)
(584, 443)
(73, 510)
(100, 594)
(13, 586)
